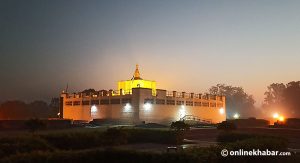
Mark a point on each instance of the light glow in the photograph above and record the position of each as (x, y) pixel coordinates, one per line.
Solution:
(275, 115)
(147, 106)
(94, 109)
(278, 117)
(236, 116)
(221, 110)
(127, 107)
(182, 112)
(281, 118)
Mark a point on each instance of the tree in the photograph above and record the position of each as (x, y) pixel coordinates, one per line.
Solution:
(274, 95)
(54, 107)
(89, 91)
(291, 97)
(284, 97)
(237, 100)
(39, 109)
(14, 110)
(20, 110)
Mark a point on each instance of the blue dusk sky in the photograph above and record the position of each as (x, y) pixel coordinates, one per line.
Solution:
(187, 45)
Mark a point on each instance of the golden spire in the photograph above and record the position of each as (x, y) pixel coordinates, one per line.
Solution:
(136, 75)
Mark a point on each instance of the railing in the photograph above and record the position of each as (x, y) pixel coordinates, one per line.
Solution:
(192, 95)
(173, 94)
(196, 119)
(101, 93)
(127, 92)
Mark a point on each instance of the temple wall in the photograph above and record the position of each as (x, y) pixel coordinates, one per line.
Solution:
(160, 110)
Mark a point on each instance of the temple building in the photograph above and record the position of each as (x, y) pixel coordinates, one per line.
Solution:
(138, 100)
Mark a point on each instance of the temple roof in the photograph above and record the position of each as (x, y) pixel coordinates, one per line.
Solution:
(136, 75)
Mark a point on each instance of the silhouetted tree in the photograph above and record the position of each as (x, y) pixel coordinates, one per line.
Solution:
(39, 109)
(286, 97)
(237, 100)
(14, 110)
(54, 107)
(89, 91)
(20, 110)
(54, 102)
(292, 98)
(274, 94)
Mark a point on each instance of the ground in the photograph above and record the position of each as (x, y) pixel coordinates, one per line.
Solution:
(202, 137)
(210, 135)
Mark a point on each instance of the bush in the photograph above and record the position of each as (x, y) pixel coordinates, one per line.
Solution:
(75, 140)
(226, 125)
(113, 136)
(180, 126)
(82, 140)
(210, 155)
(13, 145)
(94, 155)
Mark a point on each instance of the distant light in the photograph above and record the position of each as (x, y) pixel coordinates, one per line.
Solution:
(281, 118)
(58, 114)
(275, 115)
(94, 109)
(236, 116)
(222, 110)
(182, 106)
(127, 107)
(147, 106)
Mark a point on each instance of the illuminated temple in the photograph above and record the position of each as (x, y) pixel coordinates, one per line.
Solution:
(138, 100)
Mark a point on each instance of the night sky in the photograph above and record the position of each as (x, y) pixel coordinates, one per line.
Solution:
(183, 45)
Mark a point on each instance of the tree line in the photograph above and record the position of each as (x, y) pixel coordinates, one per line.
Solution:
(278, 96)
(19, 110)
(285, 97)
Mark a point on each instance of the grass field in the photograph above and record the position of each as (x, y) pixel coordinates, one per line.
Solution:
(131, 144)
